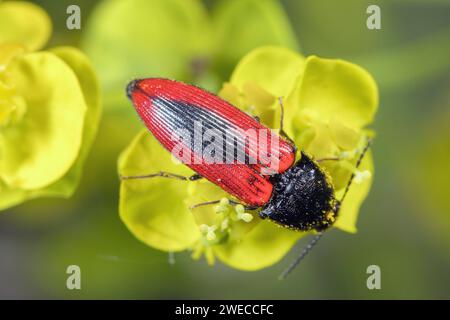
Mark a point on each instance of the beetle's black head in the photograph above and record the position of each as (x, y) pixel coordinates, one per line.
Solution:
(303, 198)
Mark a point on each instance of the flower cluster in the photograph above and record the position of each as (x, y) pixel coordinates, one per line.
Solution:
(49, 108)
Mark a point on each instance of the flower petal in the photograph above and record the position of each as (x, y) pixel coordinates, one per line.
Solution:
(268, 70)
(357, 193)
(321, 144)
(154, 209)
(67, 184)
(41, 147)
(262, 247)
(7, 52)
(242, 25)
(336, 90)
(275, 69)
(346, 138)
(24, 23)
(11, 197)
(204, 191)
(87, 79)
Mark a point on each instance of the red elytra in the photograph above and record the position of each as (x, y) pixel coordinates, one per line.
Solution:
(166, 106)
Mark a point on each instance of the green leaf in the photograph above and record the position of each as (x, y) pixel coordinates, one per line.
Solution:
(24, 23)
(242, 25)
(263, 246)
(160, 38)
(154, 209)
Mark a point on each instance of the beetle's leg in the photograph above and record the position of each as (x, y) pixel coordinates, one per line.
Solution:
(369, 141)
(164, 175)
(329, 159)
(282, 132)
(358, 163)
(232, 202)
(195, 177)
(251, 208)
(257, 118)
(202, 204)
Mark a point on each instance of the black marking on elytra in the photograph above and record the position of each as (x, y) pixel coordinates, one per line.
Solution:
(182, 115)
(302, 199)
(131, 87)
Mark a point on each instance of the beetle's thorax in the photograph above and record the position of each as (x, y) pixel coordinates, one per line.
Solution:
(303, 198)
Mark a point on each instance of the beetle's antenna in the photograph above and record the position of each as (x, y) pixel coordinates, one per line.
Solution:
(305, 251)
(280, 101)
(358, 163)
(314, 241)
(282, 132)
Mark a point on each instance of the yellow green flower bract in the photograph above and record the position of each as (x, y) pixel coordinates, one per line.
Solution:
(25, 23)
(328, 104)
(49, 108)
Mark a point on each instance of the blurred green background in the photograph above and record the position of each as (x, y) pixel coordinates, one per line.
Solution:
(404, 225)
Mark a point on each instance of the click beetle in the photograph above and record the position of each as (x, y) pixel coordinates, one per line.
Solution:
(294, 194)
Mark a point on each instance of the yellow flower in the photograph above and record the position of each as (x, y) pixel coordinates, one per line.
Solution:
(49, 108)
(328, 104)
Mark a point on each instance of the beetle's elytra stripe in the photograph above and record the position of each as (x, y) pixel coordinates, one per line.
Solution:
(180, 115)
